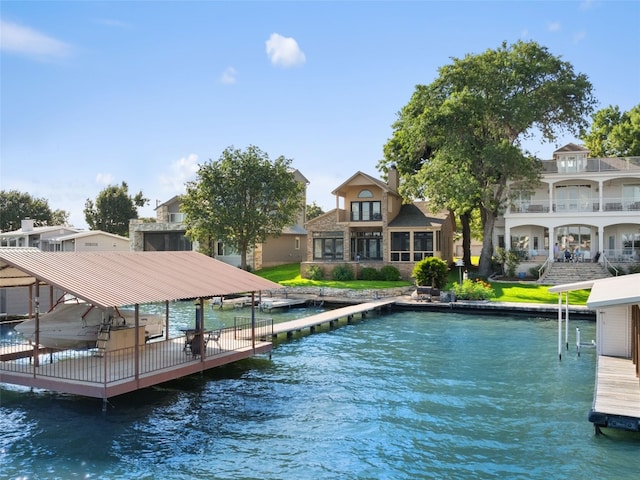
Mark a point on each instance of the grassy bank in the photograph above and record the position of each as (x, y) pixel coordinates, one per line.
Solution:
(521, 292)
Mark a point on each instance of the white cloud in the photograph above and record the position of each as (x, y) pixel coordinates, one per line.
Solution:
(110, 22)
(284, 51)
(579, 36)
(587, 4)
(554, 26)
(21, 40)
(104, 179)
(229, 76)
(180, 171)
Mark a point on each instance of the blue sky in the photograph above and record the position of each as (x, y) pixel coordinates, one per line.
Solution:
(96, 93)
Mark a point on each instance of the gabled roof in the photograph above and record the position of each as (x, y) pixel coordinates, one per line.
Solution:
(114, 279)
(364, 180)
(172, 200)
(571, 147)
(294, 230)
(88, 233)
(417, 215)
(39, 230)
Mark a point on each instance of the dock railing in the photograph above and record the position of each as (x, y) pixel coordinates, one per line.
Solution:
(104, 367)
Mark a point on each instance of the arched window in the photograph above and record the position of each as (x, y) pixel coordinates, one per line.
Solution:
(365, 194)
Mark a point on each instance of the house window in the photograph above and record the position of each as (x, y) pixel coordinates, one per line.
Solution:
(631, 196)
(400, 246)
(366, 246)
(328, 246)
(166, 241)
(297, 247)
(366, 211)
(422, 245)
(573, 198)
(365, 194)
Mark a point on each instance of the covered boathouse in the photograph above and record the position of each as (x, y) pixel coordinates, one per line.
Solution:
(616, 300)
(111, 280)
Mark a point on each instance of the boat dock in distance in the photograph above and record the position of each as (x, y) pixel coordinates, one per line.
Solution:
(330, 317)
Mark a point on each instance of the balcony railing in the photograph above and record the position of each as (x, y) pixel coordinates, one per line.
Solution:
(595, 165)
(611, 204)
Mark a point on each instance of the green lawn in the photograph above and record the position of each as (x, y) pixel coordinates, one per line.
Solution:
(289, 276)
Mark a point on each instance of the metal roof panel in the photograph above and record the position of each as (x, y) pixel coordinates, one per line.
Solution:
(110, 279)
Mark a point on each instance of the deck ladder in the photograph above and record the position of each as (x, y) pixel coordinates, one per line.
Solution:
(104, 334)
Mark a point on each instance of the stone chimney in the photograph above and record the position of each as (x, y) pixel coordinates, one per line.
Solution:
(393, 180)
(27, 225)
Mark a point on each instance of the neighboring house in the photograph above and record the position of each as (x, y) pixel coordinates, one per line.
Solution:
(39, 237)
(89, 241)
(15, 301)
(590, 204)
(373, 228)
(168, 233)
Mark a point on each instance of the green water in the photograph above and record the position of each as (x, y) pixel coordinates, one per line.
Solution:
(399, 396)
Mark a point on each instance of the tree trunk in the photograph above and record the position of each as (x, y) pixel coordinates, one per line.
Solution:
(488, 222)
(465, 223)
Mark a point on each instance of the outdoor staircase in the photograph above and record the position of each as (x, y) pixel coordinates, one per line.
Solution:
(560, 272)
(104, 334)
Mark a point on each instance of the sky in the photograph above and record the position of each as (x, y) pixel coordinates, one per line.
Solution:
(96, 93)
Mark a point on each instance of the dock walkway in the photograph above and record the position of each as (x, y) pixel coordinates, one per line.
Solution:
(330, 317)
(616, 400)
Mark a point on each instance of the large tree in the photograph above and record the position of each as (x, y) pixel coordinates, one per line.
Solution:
(16, 206)
(614, 133)
(241, 199)
(458, 142)
(113, 209)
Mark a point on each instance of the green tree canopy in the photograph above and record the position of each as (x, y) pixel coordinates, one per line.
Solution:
(16, 206)
(313, 211)
(113, 209)
(614, 133)
(241, 199)
(458, 140)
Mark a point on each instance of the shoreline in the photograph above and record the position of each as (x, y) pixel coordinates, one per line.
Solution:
(405, 301)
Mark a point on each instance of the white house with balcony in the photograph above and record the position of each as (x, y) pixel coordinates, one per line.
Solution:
(590, 207)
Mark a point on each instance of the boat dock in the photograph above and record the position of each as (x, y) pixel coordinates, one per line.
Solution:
(616, 400)
(273, 303)
(329, 317)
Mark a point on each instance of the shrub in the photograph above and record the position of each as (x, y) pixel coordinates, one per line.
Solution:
(389, 273)
(342, 273)
(314, 272)
(431, 272)
(369, 273)
(473, 290)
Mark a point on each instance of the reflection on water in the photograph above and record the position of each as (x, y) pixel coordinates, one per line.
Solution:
(404, 395)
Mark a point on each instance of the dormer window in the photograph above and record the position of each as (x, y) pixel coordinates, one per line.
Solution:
(575, 163)
(365, 194)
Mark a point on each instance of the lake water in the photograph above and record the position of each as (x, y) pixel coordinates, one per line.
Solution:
(406, 395)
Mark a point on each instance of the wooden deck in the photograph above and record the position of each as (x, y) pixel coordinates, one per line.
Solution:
(616, 402)
(329, 317)
(120, 371)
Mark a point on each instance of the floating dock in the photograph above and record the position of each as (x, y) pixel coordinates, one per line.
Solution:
(273, 303)
(616, 400)
(329, 317)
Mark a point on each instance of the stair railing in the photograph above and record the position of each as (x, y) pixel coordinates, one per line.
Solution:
(543, 269)
(608, 265)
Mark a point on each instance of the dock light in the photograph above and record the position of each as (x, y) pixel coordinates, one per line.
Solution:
(460, 265)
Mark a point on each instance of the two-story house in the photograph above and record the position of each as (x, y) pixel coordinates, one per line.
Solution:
(167, 233)
(371, 226)
(587, 206)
